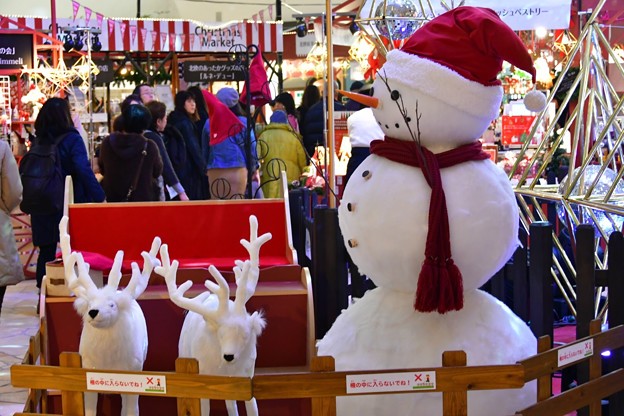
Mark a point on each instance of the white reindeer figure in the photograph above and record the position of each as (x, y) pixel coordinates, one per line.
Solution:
(218, 332)
(114, 333)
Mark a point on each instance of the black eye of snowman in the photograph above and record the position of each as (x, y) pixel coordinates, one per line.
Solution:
(395, 95)
(408, 119)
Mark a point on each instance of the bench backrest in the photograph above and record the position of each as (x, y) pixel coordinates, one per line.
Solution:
(199, 233)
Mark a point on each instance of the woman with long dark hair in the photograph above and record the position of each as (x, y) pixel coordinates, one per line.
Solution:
(54, 125)
(155, 133)
(192, 175)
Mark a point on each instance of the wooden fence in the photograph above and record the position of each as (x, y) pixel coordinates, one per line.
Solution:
(322, 384)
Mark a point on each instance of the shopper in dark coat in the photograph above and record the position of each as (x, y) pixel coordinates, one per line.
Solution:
(121, 154)
(311, 95)
(54, 123)
(192, 175)
(314, 126)
(159, 121)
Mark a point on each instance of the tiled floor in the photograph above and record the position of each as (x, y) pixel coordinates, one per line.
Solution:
(18, 322)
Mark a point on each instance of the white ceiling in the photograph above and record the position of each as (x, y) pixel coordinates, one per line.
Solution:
(202, 10)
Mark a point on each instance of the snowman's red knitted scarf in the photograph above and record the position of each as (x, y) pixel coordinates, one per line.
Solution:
(440, 285)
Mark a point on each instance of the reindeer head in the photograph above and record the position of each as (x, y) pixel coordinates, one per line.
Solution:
(101, 308)
(236, 330)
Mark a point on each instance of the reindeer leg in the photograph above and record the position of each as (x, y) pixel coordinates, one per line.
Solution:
(129, 404)
(232, 410)
(251, 407)
(90, 402)
(205, 407)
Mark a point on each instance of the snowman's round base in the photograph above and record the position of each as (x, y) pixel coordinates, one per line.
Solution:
(382, 331)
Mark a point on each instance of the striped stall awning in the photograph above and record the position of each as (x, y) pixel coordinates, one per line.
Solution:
(149, 35)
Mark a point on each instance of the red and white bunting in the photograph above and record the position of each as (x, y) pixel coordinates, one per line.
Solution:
(271, 11)
(172, 39)
(143, 35)
(75, 8)
(100, 19)
(261, 14)
(122, 29)
(154, 41)
(88, 13)
(155, 34)
(133, 33)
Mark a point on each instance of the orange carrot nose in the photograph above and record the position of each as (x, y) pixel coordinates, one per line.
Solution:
(361, 98)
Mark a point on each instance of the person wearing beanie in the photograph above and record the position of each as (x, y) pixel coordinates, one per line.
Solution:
(227, 160)
(280, 148)
(285, 102)
(192, 174)
(130, 163)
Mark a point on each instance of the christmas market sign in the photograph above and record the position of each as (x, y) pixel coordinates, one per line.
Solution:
(16, 51)
(204, 71)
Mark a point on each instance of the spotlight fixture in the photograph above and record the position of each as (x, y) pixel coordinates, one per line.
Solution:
(354, 27)
(78, 43)
(68, 42)
(302, 28)
(96, 45)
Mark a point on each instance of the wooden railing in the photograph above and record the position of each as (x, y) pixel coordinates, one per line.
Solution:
(322, 384)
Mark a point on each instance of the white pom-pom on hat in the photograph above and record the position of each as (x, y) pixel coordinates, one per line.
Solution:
(535, 101)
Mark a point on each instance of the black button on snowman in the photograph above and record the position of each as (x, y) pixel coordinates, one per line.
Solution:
(434, 219)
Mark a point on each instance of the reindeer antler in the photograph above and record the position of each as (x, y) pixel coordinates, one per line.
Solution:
(139, 279)
(244, 289)
(82, 286)
(255, 242)
(114, 276)
(247, 275)
(169, 271)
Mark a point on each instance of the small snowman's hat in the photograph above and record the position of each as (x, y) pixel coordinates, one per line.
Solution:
(456, 58)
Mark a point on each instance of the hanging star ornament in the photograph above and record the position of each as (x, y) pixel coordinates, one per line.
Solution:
(564, 42)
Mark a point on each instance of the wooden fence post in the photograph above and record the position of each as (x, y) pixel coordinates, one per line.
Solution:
(188, 406)
(544, 383)
(595, 368)
(72, 401)
(540, 278)
(585, 289)
(454, 403)
(323, 406)
(616, 311)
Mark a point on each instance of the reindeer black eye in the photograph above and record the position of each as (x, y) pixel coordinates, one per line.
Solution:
(395, 95)
(111, 305)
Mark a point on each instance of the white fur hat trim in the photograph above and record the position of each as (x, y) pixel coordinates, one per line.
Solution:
(443, 83)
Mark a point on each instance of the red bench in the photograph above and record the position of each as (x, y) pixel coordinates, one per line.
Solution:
(199, 233)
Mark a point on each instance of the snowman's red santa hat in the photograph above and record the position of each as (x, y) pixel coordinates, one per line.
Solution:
(456, 58)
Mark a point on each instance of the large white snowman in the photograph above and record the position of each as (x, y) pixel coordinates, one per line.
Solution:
(430, 236)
